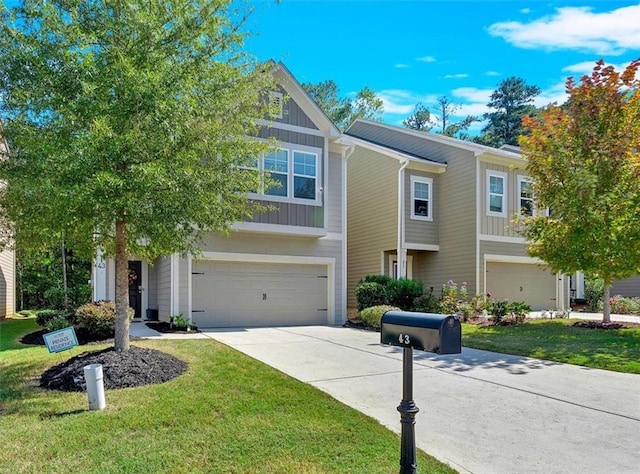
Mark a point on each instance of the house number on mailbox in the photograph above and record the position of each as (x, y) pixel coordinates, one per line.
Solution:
(404, 339)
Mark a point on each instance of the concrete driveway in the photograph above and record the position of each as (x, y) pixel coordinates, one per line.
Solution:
(480, 412)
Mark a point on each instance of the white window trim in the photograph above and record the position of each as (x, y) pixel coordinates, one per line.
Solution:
(291, 149)
(524, 179)
(429, 182)
(503, 176)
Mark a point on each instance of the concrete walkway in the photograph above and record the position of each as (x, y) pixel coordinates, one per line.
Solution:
(480, 412)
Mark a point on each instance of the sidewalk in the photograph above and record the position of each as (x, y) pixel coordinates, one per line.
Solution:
(628, 318)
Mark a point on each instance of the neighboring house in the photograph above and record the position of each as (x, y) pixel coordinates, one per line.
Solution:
(435, 208)
(284, 267)
(7, 268)
(629, 288)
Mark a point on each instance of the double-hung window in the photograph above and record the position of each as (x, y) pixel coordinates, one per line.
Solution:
(421, 198)
(294, 172)
(525, 196)
(496, 193)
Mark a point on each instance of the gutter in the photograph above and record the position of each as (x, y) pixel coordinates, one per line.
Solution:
(401, 251)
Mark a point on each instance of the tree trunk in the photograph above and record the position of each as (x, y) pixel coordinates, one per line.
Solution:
(121, 342)
(65, 288)
(606, 313)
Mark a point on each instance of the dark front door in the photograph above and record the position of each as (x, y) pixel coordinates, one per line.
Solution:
(135, 287)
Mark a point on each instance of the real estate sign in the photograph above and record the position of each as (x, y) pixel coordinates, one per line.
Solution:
(61, 340)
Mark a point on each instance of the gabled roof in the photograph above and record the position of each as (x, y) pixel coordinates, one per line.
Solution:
(295, 90)
(412, 142)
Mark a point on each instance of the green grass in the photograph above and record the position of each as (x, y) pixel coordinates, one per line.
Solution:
(227, 414)
(558, 341)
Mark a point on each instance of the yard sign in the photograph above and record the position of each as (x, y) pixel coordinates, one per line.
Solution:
(61, 340)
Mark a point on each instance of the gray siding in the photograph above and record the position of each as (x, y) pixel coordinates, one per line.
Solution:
(296, 138)
(418, 231)
(500, 226)
(372, 212)
(629, 287)
(293, 114)
(164, 288)
(183, 286)
(334, 190)
(152, 286)
(7, 283)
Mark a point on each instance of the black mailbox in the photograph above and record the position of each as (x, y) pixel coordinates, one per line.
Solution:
(429, 332)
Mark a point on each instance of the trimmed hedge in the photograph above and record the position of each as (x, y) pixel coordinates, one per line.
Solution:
(373, 315)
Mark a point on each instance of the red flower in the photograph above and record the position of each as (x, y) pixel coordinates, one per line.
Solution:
(488, 294)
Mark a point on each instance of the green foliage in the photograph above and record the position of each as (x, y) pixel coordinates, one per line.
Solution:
(45, 315)
(498, 309)
(583, 158)
(180, 321)
(371, 294)
(593, 293)
(403, 292)
(419, 120)
(621, 305)
(59, 322)
(451, 297)
(519, 310)
(426, 303)
(373, 315)
(512, 100)
(446, 110)
(384, 280)
(342, 110)
(98, 319)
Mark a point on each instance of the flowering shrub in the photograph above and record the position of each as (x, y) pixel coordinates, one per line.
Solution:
(452, 297)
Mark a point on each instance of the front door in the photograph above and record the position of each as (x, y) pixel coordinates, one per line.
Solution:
(135, 287)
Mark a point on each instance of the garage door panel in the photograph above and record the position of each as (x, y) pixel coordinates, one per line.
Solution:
(228, 294)
(533, 284)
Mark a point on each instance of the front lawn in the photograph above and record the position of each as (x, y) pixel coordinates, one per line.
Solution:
(227, 414)
(557, 340)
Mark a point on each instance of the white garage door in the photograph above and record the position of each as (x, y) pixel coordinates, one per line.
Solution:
(234, 294)
(533, 284)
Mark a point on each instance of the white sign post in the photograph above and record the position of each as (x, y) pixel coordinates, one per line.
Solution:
(61, 340)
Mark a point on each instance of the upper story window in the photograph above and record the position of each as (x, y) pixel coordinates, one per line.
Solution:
(294, 170)
(421, 198)
(496, 193)
(525, 196)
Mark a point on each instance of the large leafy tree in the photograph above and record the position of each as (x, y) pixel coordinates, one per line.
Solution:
(129, 122)
(512, 100)
(343, 111)
(585, 160)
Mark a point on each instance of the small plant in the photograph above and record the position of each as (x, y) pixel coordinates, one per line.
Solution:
(426, 303)
(498, 310)
(56, 323)
(373, 315)
(594, 293)
(452, 296)
(403, 292)
(371, 294)
(44, 316)
(519, 310)
(179, 321)
(479, 304)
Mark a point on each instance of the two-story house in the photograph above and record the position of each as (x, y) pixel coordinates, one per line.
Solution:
(7, 265)
(283, 267)
(435, 208)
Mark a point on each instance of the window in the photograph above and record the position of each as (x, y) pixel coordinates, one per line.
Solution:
(525, 196)
(496, 192)
(421, 190)
(295, 173)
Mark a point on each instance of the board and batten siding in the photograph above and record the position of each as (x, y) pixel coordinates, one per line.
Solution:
(500, 226)
(292, 114)
(7, 283)
(372, 210)
(249, 243)
(420, 231)
(457, 220)
(163, 273)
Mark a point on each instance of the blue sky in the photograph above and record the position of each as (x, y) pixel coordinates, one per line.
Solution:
(415, 51)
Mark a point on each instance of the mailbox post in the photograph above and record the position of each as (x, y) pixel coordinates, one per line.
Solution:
(428, 332)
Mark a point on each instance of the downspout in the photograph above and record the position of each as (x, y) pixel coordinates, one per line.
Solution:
(401, 251)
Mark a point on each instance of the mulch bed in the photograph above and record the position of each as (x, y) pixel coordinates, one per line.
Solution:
(166, 328)
(36, 339)
(601, 325)
(133, 368)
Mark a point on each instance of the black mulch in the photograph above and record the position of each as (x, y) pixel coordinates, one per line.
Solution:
(36, 339)
(165, 327)
(133, 368)
(601, 325)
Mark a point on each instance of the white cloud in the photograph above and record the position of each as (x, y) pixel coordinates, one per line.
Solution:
(586, 67)
(577, 28)
(401, 66)
(398, 101)
(472, 94)
(456, 76)
(426, 59)
(491, 73)
(525, 11)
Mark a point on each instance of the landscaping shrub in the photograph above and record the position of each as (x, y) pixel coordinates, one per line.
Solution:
(44, 316)
(498, 310)
(452, 297)
(621, 305)
(594, 293)
(372, 316)
(384, 280)
(98, 319)
(58, 322)
(403, 292)
(519, 310)
(426, 303)
(371, 294)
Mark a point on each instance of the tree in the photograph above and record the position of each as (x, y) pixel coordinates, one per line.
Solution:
(446, 110)
(128, 122)
(586, 166)
(342, 110)
(419, 120)
(512, 101)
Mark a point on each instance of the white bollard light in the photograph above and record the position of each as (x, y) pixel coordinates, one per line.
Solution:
(95, 386)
